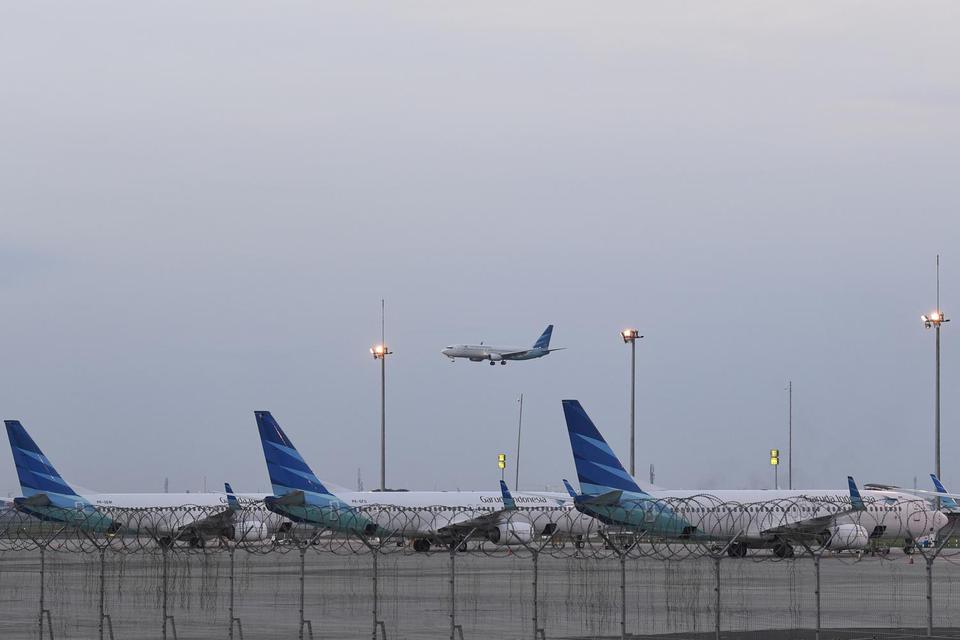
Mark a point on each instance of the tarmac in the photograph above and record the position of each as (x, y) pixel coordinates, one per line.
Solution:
(576, 597)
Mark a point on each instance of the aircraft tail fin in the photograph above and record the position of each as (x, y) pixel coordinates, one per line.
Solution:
(947, 502)
(856, 501)
(232, 503)
(35, 471)
(508, 502)
(569, 487)
(598, 468)
(543, 342)
(288, 470)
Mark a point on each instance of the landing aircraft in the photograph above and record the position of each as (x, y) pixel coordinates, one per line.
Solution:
(481, 352)
(776, 519)
(199, 516)
(426, 517)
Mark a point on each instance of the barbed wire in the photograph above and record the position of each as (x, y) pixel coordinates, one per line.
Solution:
(668, 529)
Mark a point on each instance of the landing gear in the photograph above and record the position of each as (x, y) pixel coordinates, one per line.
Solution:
(910, 547)
(492, 363)
(503, 362)
(737, 550)
(782, 550)
(421, 545)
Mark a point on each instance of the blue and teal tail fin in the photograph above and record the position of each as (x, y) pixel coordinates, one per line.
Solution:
(947, 502)
(232, 503)
(508, 502)
(36, 472)
(856, 501)
(598, 468)
(566, 483)
(543, 342)
(288, 471)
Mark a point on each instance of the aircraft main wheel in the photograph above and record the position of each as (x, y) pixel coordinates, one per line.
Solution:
(503, 362)
(492, 363)
(909, 549)
(783, 550)
(737, 550)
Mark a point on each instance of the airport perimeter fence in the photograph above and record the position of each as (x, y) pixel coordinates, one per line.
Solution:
(195, 572)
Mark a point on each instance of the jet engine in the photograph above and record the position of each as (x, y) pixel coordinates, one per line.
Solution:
(495, 357)
(848, 536)
(512, 533)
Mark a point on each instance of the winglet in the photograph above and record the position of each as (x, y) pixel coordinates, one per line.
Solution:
(566, 483)
(508, 502)
(946, 501)
(232, 501)
(855, 500)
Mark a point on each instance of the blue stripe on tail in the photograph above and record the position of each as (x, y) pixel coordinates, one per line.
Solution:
(35, 470)
(543, 342)
(287, 469)
(598, 468)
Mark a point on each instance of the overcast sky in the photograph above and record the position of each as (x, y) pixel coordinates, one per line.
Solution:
(203, 203)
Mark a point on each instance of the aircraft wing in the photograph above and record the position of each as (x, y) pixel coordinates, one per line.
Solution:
(818, 523)
(483, 522)
(209, 526)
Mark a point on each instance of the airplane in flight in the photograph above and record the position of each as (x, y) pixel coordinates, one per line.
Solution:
(777, 519)
(426, 517)
(481, 352)
(193, 518)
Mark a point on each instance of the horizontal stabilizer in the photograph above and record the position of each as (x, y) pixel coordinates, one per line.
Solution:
(609, 498)
(292, 499)
(36, 500)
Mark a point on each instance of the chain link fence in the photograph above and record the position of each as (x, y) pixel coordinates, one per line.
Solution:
(163, 573)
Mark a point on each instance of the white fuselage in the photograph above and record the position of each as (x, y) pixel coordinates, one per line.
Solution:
(481, 352)
(888, 515)
(169, 512)
(423, 513)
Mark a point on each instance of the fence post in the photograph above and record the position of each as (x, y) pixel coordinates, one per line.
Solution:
(716, 573)
(233, 618)
(303, 621)
(376, 591)
(43, 569)
(816, 566)
(453, 590)
(103, 570)
(929, 560)
(536, 601)
(623, 596)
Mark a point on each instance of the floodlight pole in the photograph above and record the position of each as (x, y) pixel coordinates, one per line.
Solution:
(934, 320)
(380, 352)
(516, 480)
(631, 336)
(790, 434)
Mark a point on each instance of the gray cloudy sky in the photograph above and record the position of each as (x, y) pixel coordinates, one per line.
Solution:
(202, 204)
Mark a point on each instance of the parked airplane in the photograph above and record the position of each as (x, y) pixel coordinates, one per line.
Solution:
(774, 519)
(481, 352)
(197, 517)
(427, 517)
